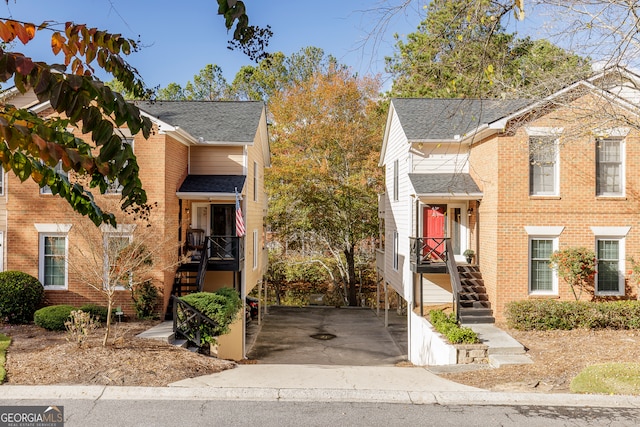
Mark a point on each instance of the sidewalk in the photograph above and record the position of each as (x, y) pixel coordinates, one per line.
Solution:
(308, 383)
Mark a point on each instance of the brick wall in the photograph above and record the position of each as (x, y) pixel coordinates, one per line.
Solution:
(163, 164)
(507, 207)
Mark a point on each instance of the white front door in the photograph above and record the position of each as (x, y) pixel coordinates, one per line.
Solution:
(457, 229)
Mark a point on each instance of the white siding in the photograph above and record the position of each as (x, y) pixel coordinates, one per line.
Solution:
(398, 213)
(441, 158)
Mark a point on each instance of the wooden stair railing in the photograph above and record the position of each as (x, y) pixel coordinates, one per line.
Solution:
(454, 278)
(202, 267)
(188, 322)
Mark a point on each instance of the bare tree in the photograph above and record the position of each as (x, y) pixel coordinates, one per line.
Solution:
(114, 260)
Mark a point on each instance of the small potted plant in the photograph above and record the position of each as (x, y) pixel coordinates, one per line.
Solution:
(469, 254)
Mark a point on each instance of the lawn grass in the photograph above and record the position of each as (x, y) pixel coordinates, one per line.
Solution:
(4, 344)
(608, 378)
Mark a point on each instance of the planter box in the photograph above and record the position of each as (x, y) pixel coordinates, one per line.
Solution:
(429, 348)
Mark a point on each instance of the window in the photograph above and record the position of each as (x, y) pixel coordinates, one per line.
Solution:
(52, 255)
(543, 165)
(255, 181)
(1, 181)
(395, 250)
(609, 277)
(117, 268)
(58, 168)
(53, 260)
(541, 277)
(114, 186)
(609, 167)
(395, 180)
(255, 249)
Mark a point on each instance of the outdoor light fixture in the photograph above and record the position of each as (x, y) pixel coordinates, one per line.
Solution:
(469, 211)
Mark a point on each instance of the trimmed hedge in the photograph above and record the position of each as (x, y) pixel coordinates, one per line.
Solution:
(20, 296)
(449, 327)
(221, 306)
(98, 312)
(545, 315)
(53, 317)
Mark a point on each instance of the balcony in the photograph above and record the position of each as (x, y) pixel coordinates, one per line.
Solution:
(428, 254)
(224, 253)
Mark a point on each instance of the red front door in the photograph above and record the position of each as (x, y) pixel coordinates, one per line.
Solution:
(433, 230)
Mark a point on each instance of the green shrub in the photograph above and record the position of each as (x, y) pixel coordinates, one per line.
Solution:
(549, 315)
(145, 299)
(448, 326)
(20, 296)
(221, 306)
(4, 344)
(53, 317)
(97, 312)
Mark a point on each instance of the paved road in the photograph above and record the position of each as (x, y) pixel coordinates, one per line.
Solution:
(327, 336)
(157, 413)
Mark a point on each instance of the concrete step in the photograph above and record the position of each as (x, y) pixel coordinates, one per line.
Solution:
(475, 320)
(180, 343)
(498, 341)
(498, 360)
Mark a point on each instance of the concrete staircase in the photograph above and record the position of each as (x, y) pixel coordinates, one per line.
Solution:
(475, 307)
(164, 332)
(503, 348)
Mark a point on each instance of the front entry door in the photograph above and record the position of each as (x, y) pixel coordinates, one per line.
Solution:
(434, 230)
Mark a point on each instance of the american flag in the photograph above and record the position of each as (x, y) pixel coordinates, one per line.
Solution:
(240, 231)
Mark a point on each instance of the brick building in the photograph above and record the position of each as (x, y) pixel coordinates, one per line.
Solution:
(200, 158)
(512, 181)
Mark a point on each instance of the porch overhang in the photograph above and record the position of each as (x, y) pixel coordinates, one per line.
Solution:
(452, 186)
(211, 187)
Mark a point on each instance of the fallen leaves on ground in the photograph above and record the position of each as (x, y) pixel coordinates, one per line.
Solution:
(558, 356)
(38, 356)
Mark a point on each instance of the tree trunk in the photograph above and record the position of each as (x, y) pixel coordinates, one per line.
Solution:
(351, 277)
(108, 326)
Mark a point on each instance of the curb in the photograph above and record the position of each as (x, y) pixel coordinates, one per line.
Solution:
(479, 398)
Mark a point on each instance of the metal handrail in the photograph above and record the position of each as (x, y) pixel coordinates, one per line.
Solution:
(202, 267)
(226, 247)
(188, 322)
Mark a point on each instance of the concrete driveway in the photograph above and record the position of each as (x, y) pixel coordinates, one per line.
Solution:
(329, 336)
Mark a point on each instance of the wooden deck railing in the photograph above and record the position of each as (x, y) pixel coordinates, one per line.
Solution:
(189, 323)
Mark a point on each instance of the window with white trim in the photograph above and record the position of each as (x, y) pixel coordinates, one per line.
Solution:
(58, 168)
(543, 165)
(543, 241)
(395, 180)
(53, 260)
(542, 279)
(255, 181)
(117, 267)
(609, 167)
(114, 187)
(255, 249)
(2, 173)
(610, 259)
(395, 250)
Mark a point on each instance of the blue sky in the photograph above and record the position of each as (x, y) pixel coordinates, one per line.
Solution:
(180, 38)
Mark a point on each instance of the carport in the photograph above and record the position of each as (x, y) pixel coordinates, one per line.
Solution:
(329, 336)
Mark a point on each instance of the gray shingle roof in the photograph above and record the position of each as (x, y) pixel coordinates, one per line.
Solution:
(444, 184)
(213, 121)
(443, 119)
(212, 184)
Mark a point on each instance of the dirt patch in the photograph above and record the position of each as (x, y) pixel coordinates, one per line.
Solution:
(38, 356)
(558, 356)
